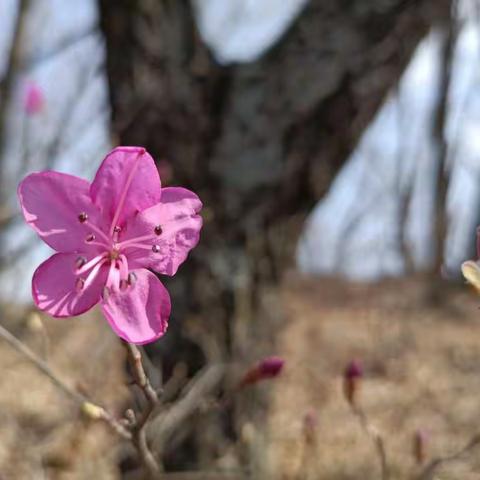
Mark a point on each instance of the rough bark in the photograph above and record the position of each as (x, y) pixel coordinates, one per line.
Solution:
(259, 142)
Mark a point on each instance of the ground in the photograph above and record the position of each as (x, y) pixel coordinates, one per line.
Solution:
(422, 372)
(42, 433)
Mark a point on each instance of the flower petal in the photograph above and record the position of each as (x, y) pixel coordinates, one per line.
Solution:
(177, 215)
(127, 182)
(51, 203)
(140, 313)
(54, 287)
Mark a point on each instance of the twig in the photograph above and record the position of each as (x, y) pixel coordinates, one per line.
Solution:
(377, 439)
(139, 437)
(201, 386)
(93, 410)
(429, 470)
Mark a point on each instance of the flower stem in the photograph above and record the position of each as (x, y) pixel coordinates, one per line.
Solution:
(138, 429)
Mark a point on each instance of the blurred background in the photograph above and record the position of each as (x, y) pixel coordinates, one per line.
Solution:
(335, 146)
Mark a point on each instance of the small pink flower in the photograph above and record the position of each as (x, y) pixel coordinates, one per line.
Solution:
(269, 367)
(33, 100)
(108, 234)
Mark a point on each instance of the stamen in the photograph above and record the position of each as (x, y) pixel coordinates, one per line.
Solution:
(80, 262)
(90, 238)
(155, 248)
(132, 279)
(158, 230)
(79, 284)
(116, 232)
(113, 278)
(100, 232)
(136, 240)
(93, 274)
(105, 294)
(89, 265)
(82, 217)
(140, 246)
(123, 266)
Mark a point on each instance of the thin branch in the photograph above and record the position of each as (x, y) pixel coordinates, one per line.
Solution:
(376, 438)
(139, 438)
(198, 389)
(91, 409)
(429, 471)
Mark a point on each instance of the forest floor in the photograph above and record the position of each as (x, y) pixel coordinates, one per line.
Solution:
(422, 372)
(43, 435)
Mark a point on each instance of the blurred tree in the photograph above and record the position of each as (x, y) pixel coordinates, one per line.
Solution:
(259, 142)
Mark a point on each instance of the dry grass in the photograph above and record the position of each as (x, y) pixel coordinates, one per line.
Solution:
(422, 372)
(42, 434)
(422, 368)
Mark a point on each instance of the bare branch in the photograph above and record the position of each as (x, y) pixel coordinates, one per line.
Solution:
(139, 438)
(94, 411)
(199, 388)
(429, 471)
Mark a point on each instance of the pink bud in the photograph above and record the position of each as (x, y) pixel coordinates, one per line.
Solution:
(354, 369)
(269, 367)
(420, 442)
(310, 423)
(33, 99)
(351, 380)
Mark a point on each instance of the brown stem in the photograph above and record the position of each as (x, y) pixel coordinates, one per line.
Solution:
(138, 428)
(377, 439)
(91, 409)
(429, 471)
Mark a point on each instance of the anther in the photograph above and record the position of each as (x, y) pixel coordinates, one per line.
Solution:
(80, 262)
(158, 230)
(82, 217)
(90, 238)
(123, 284)
(155, 248)
(117, 229)
(132, 278)
(79, 283)
(105, 294)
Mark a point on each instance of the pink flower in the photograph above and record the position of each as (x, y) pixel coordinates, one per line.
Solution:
(33, 100)
(108, 234)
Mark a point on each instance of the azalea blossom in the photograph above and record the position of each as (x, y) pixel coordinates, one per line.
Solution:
(108, 235)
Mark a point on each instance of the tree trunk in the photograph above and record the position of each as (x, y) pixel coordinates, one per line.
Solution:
(259, 142)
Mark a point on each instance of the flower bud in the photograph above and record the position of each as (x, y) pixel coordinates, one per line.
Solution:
(92, 411)
(34, 322)
(269, 367)
(471, 272)
(33, 99)
(351, 380)
(310, 423)
(420, 442)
